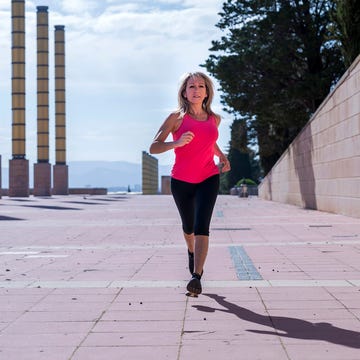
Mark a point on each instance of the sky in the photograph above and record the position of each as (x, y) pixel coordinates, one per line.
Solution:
(124, 60)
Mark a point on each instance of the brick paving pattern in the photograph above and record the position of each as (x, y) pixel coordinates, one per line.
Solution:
(103, 277)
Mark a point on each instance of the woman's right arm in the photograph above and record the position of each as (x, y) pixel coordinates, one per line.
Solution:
(160, 145)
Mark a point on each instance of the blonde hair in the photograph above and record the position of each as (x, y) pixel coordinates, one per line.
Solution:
(183, 103)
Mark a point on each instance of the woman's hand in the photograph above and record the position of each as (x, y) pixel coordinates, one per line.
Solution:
(185, 138)
(224, 164)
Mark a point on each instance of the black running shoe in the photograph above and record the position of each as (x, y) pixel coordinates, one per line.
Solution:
(194, 285)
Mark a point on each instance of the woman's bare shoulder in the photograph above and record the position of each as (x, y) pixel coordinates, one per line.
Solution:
(217, 118)
(175, 119)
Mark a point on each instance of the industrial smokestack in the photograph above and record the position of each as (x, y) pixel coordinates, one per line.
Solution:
(60, 168)
(42, 170)
(18, 166)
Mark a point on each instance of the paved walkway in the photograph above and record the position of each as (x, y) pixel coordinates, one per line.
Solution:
(103, 277)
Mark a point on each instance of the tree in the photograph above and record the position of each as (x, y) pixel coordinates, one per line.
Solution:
(347, 22)
(275, 64)
(238, 156)
(243, 161)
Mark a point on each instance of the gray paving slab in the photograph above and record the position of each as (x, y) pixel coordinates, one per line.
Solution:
(103, 277)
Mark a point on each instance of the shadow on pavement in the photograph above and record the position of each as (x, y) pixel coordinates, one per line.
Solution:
(287, 327)
(9, 218)
(83, 203)
(47, 207)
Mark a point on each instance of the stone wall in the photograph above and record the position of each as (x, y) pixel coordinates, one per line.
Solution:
(166, 185)
(321, 168)
(150, 174)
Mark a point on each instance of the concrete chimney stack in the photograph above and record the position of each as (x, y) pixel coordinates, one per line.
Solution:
(18, 165)
(42, 170)
(60, 173)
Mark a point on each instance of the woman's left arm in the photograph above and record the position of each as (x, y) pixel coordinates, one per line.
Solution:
(223, 160)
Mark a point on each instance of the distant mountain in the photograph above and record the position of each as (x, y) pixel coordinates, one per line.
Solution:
(110, 174)
(104, 174)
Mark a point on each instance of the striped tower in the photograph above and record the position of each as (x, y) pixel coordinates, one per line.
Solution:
(18, 165)
(60, 174)
(42, 170)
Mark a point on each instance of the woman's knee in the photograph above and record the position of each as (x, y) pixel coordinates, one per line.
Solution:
(201, 231)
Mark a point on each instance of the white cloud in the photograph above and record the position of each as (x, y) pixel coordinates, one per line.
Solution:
(131, 38)
(123, 62)
(78, 6)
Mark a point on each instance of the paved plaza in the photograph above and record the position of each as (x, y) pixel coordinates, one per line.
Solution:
(104, 277)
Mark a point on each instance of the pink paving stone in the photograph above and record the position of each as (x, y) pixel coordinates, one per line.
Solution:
(138, 326)
(142, 315)
(38, 340)
(240, 336)
(61, 316)
(78, 296)
(36, 353)
(13, 306)
(303, 304)
(233, 327)
(136, 304)
(73, 306)
(220, 350)
(356, 312)
(21, 327)
(139, 238)
(152, 295)
(300, 292)
(321, 351)
(10, 316)
(314, 314)
(247, 312)
(88, 292)
(127, 352)
(146, 338)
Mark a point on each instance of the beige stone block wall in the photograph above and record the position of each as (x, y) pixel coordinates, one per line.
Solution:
(321, 168)
(166, 185)
(42, 179)
(150, 174)
(60, 179)
(19, 178)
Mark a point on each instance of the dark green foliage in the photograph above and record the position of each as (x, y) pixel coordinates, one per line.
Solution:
(239, 155)
(275, 64)
(347, 28)
(224, 189)
(240, 166)
(246, 182)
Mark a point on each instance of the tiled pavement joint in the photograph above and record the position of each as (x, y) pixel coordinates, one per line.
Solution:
(96, 322)
(273, 325)
(182, 329)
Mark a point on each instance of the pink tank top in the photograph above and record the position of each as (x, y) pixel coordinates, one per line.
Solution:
(194, 162)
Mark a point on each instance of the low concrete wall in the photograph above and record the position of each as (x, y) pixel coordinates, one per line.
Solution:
(87, 191)
(72, 191)
(321, 168)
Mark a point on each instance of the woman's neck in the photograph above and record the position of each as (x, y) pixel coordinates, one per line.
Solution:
(197, 111)
(200, 115)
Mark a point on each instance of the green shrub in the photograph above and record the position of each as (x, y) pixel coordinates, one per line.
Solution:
(246, 182)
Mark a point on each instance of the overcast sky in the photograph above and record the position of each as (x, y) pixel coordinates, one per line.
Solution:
(123, 64)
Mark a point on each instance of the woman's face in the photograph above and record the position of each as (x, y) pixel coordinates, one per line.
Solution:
(195, 91)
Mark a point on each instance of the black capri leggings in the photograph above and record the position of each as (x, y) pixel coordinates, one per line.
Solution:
(195, 203)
